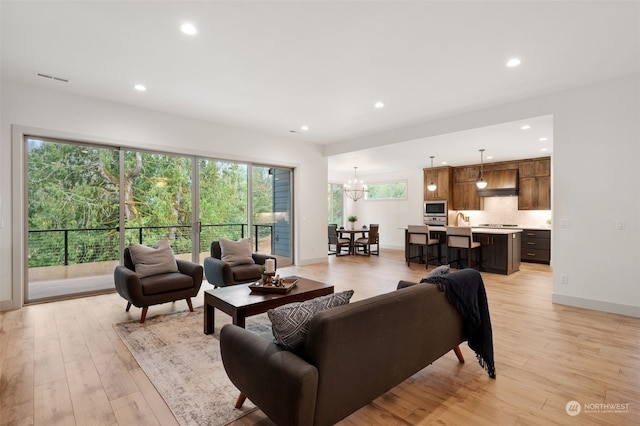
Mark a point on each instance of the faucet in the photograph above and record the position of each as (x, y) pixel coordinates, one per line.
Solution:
(465, 219)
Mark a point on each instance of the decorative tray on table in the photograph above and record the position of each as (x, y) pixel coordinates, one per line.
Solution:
(284, 286)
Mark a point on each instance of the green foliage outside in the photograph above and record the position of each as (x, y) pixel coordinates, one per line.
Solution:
(387, 191)
(334, 201)
(76, 188)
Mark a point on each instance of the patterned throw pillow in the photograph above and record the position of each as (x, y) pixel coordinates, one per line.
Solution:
(154, 260)
(290, 323)
(236, 252)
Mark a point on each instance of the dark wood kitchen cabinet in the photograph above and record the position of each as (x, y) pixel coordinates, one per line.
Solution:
(441, 176)
(465, 196)
(500, 252)
(536, 246)
(534, 191)
(465, 192)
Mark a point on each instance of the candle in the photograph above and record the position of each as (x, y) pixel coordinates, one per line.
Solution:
(270, 266)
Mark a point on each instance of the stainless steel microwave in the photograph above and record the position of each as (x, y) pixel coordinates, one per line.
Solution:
(435, 208)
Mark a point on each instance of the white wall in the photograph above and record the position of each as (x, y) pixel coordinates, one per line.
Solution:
(595, 179)
(53, 113)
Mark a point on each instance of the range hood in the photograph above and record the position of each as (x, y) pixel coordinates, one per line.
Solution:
(500, 183)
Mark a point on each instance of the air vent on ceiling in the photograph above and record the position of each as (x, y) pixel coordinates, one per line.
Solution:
(51, 77)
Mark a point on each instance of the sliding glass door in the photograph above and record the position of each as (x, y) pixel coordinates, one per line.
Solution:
(72, 218)
(224, 210)
(157, 200)
(271, 201)
(86, 202)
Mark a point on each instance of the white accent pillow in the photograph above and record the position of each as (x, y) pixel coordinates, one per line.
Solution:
(236, 252)
(154, 260)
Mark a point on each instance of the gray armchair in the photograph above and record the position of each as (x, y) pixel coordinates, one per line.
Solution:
(220, 274)
(143, 292)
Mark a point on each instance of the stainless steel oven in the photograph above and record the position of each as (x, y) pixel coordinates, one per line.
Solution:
(435, 213)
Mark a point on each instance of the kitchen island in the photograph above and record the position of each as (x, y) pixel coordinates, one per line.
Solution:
(501, 247)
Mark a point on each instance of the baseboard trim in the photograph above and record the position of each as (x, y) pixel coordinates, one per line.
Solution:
(598, 305)
(312, 261)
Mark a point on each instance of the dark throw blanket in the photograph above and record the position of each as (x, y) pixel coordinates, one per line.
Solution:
(465, 291)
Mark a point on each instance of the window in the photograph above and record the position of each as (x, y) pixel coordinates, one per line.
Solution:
(335, 210)
(387, 191)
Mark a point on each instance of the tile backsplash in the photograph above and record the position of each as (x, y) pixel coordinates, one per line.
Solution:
(504, 210)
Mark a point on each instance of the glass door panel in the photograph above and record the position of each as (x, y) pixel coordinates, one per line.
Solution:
(271, 201)
(157, 200)
(72, 218)
(222, 202)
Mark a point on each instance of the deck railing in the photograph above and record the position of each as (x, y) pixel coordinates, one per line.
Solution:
(54, 247)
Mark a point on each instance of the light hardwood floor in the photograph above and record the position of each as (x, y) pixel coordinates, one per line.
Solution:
(61, 363)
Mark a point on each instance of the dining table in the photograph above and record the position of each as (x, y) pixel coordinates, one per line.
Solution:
(352, 236)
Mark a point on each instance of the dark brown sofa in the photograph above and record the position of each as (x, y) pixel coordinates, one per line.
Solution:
(353, 354)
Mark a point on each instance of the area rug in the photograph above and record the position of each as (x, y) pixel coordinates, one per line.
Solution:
(185, 365)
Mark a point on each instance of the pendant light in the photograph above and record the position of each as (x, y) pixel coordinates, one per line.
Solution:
(432, 186)
(355, 190)
(481, 183)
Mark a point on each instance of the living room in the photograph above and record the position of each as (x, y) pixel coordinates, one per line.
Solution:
(595, 163)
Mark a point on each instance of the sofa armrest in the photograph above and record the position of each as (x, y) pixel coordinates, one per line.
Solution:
(217, 272)
(404, 284)
(261, 258)
(128, 285)
(280, 383)
(194, 270)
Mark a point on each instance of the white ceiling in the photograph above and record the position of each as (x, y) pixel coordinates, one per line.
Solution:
(274, 66)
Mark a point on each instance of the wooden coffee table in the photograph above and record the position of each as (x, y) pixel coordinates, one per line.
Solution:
(240, 302)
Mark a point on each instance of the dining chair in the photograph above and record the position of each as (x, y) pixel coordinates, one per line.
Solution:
(365, 243)
(460, 238)
(340, 242)
(333, 238)
(418, 235)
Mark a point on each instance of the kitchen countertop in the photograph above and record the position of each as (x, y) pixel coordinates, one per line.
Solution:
(495, 231)
(481, 230)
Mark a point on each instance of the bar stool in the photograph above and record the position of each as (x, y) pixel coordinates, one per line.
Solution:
(461, 238)
(418, 235)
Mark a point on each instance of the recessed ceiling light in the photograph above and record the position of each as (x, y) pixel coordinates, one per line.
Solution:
(188, 28)
(525, 127)
(304, 128)
(513, 62)
(379, 105)
(543, 139)
(140, 87)
(490, 157)
(444, 163)
(543, 149)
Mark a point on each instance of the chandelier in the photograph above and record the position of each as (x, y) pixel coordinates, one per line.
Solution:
(355, 189)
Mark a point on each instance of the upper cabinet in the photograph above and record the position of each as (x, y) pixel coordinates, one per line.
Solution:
(441, 176)
(529, 179)
(534, 191)
(465, 193)
(465, 196)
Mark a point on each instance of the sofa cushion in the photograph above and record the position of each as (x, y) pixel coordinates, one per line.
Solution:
(244, 273)
(236, 252)
(290, 323)
(154, 260)
(165, 283)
